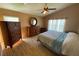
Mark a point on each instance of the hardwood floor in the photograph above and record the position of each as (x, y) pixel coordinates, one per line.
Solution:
(28, 47)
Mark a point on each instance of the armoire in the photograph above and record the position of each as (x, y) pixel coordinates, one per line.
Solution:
(11, 32)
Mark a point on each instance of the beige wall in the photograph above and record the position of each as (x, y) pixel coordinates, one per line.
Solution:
(71, 14)
(3, 35)
(24, 19)
(1, 39)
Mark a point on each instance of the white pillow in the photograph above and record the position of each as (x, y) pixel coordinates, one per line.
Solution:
(71, 44)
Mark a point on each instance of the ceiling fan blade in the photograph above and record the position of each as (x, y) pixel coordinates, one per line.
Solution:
(51, 8)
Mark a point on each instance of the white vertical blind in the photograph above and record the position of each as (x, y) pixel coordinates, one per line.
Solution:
(57, 25)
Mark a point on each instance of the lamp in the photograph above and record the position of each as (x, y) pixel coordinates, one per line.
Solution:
(45, 12)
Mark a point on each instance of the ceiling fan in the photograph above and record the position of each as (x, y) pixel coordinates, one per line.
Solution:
(46, 9)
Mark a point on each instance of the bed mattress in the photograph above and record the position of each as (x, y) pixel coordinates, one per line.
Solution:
(48, 37)
(70, 45)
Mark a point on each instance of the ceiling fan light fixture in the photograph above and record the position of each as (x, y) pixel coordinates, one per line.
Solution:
(45, 12)
(46, 9)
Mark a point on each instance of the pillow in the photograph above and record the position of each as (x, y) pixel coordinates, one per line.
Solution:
(71, 44)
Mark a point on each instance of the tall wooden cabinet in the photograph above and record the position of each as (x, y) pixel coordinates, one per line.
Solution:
(13, 32)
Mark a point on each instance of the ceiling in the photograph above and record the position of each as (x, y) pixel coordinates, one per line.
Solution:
(33, 8)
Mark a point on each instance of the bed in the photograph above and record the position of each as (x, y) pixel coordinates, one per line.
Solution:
(60, 42)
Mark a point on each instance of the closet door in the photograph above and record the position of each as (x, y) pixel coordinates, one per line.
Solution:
(14, 30)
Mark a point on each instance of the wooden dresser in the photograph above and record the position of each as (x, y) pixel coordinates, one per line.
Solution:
(32, 31)
(43, 30)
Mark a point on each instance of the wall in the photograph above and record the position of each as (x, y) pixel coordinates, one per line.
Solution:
(71, 14)
(1, 39)
(3, 35)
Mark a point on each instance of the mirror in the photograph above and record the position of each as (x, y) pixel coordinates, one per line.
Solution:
(33, 21)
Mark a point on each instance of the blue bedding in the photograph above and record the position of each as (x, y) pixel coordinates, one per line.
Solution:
(57, 44)
(53, 40)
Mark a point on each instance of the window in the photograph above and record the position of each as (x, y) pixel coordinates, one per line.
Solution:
(10, 18)
(57, 25)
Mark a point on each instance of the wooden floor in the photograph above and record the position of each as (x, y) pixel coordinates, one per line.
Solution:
(28, 47)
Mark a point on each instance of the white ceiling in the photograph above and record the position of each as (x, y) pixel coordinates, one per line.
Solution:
(33, 8)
